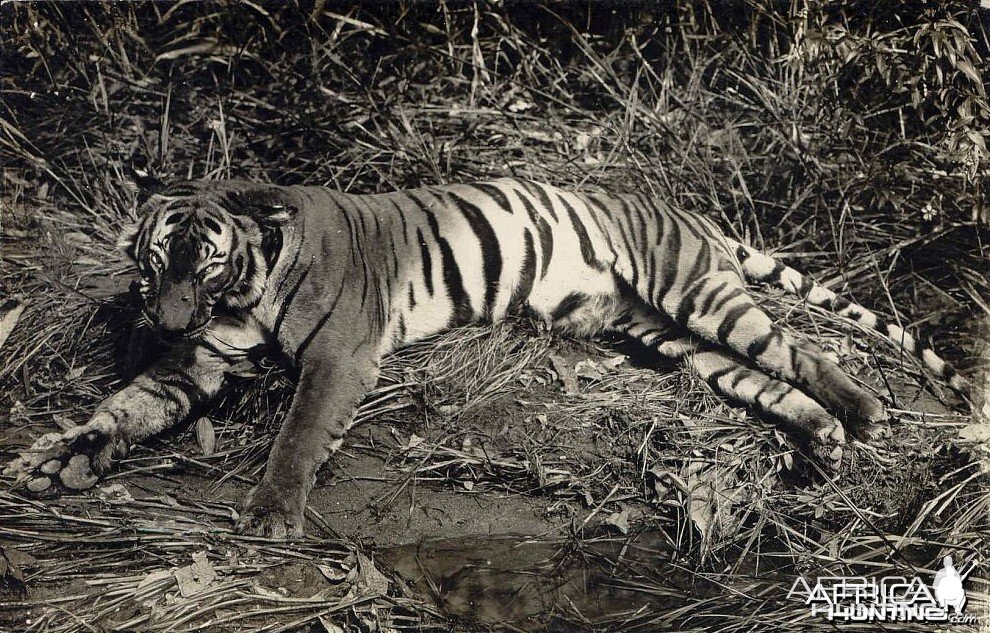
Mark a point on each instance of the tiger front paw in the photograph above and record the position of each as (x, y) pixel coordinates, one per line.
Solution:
(272, 513)
(72, 460)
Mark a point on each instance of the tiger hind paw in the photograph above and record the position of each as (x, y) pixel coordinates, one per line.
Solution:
(827, 441)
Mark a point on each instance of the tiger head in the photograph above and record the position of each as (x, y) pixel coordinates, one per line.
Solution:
(202, 247)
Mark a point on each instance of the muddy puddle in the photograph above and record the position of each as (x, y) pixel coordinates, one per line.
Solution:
(521, 582)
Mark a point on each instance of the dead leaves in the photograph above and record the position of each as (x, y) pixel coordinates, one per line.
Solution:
(356, 577)
(709, 491)
(597, 370)
(587, 369)
(190, 580)
(114, 494)
(12, 564)
(196, 577)
(975, 438)
(366, 581)
(620, 520)
(353, 579)
(565, 373)
(975, 432)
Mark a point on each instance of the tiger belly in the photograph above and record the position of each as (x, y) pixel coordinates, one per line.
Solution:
(578, 292)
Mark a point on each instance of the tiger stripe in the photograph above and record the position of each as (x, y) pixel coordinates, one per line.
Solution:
(759, 267)
(339, 280)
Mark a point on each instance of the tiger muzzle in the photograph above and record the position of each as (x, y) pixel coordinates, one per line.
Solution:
(176, 308)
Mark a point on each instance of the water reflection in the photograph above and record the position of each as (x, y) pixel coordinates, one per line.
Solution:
(522, 581)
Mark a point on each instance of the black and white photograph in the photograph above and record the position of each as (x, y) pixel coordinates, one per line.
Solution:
(326, 316)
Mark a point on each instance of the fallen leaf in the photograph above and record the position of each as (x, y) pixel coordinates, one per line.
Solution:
(206, 436)
(619, 520)
(63, 422)
(701, 498)
(155, 576)
(115, 494)
(10, 313)
(520, 105)
(19, 558)
(414, 441)
(469, 447)
(11, 576)
(582, 140)
(565, 372)
(975, 432)
(589, 369)
(329, 626)
(975, 438)
(366, 580)
(713, 492)
(75, 373)
(661, 482)
(613, 363)
(787, 460)
(195, 578)
(261, 590)
(332, 573)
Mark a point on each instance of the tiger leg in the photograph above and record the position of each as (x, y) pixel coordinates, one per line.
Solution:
(184, 379)
(330, 388)
(717, 308)
(731, 377)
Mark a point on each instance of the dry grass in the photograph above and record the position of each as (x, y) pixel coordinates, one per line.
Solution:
(791, 130)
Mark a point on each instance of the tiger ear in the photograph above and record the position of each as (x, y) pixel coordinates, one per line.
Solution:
(279, 215)
(127, 242)
(273, 215)
(143, 182)
(270, 206)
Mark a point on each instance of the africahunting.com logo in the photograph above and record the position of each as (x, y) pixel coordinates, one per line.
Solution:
(889, 598)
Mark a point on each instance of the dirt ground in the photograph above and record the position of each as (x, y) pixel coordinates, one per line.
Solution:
(505, 515)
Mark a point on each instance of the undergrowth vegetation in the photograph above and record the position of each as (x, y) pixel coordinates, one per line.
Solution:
(848, 138)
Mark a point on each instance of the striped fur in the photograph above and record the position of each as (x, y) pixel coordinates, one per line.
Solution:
(337, 281)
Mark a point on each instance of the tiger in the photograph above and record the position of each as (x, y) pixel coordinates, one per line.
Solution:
(335, 281)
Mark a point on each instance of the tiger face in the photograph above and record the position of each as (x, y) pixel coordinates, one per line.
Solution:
(195, 255)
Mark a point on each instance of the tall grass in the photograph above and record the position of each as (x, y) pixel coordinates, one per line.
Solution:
(848, 137)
